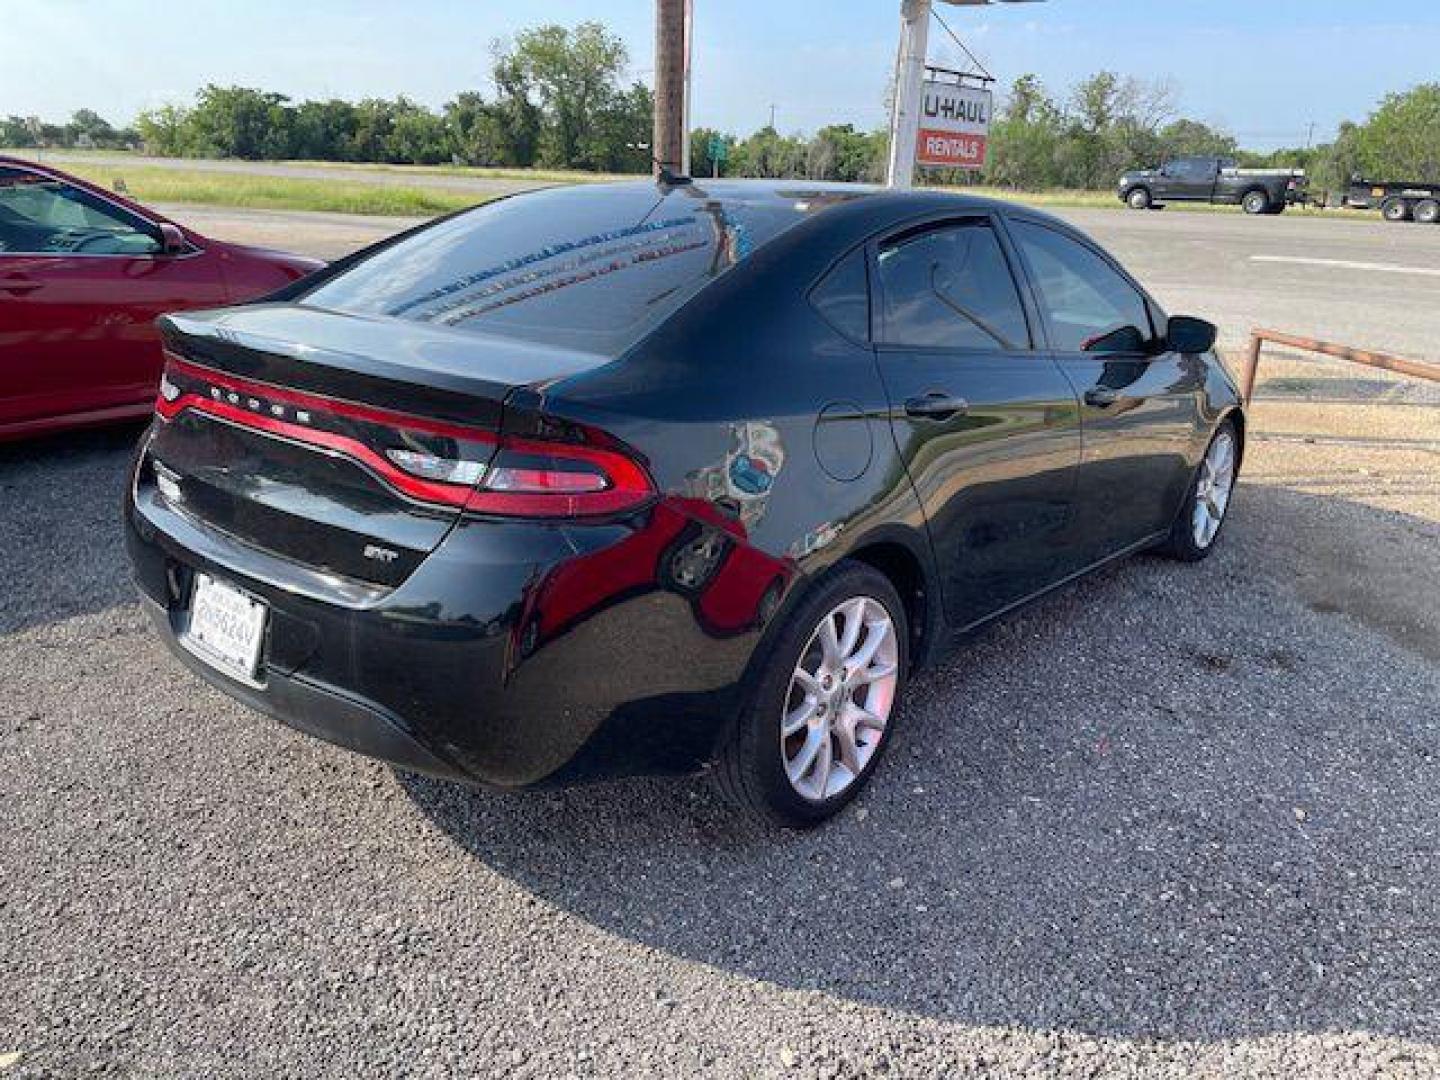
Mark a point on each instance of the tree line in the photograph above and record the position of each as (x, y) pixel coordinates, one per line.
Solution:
(559, 99)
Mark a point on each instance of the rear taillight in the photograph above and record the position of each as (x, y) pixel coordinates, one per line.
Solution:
(542, 479)
(428, 460)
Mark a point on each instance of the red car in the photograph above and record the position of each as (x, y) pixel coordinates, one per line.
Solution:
(83, 275)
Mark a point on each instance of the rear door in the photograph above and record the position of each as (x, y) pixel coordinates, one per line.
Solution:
(82, 281)
(1139, 404)
(986, 425)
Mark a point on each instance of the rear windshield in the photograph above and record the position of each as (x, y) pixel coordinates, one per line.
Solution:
(590, 267)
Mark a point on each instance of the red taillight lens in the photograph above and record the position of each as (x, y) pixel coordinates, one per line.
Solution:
(428, 460)
(539, 479)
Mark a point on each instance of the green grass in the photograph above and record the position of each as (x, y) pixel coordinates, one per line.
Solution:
(484, 172)
(153, 184)
(63, 159)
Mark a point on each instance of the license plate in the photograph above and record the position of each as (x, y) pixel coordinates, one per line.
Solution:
(226, 628)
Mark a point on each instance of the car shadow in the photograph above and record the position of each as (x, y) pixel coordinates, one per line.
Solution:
(62, 550)
(1169, 803)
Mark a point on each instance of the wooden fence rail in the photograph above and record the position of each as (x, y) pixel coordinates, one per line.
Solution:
(1398, 364)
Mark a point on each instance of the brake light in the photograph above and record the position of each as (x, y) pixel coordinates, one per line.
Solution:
(428, 460)
(530, 478)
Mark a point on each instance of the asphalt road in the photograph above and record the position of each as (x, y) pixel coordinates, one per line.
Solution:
(1354, 280)
(1172, 820)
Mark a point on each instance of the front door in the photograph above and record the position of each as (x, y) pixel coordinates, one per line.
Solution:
(1194, 178)
(81, 283)
(987, 426)
(1139, 404)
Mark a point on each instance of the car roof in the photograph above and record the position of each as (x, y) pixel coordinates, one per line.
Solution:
(792, 190)
(856, 210)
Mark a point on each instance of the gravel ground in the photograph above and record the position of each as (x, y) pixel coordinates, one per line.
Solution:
(1173, 820)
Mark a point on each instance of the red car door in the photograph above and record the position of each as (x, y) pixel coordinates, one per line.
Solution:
(81, 283)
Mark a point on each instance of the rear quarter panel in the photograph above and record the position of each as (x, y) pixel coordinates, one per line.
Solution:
(761, 422)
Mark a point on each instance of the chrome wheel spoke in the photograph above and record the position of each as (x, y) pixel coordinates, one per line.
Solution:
(830, 640)
(800, 766)
(875, 634)
(798, 717)
(854, 623)
(863, 717)
(824, 765)
(873, 673)
(849, 750)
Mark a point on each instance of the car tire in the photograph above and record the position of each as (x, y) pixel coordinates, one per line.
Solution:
(1255, 202)
(1395, 210)
(1187, 541)
(1427, 211)
(755, 766)
(1139, 199)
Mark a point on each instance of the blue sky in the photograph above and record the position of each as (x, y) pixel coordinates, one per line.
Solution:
(1265, 71)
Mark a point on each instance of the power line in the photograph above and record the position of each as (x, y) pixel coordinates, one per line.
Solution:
(955, 38)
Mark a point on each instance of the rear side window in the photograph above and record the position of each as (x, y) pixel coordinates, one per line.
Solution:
(843, 297)
(1085, 300)
(592, 267)
(949, 287)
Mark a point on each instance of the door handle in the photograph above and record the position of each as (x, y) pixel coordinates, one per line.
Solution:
(936, 405)
(19, 285)
(1101, 397)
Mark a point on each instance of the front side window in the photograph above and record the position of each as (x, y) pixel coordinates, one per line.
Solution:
(949, 287)
(40, 215)
(1089, 306)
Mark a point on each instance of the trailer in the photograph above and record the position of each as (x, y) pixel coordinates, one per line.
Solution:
(1397, 201)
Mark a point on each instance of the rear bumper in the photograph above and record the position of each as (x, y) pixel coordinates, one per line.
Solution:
(515, 655)
(315, 710)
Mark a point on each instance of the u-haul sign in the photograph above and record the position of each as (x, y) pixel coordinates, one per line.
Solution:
(954, 125)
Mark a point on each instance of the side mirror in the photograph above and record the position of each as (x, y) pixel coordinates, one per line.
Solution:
(172, 240)
(1188, 335)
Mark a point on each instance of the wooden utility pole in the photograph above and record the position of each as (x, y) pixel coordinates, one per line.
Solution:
(670, 78)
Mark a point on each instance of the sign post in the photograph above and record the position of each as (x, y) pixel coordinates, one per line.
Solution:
(909, 74)
(717, 151)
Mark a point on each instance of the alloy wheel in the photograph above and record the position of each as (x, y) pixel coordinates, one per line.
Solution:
(1213, 489)
(839, 699)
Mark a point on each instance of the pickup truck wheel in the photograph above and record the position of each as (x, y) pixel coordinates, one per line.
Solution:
(1427, 211)
(1255, 202)
(1395, 210)
(1139, 199)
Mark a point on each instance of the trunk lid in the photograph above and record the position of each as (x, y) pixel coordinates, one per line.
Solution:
(345, 443)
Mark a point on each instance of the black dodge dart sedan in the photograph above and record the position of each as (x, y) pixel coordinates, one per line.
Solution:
(636, 478)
